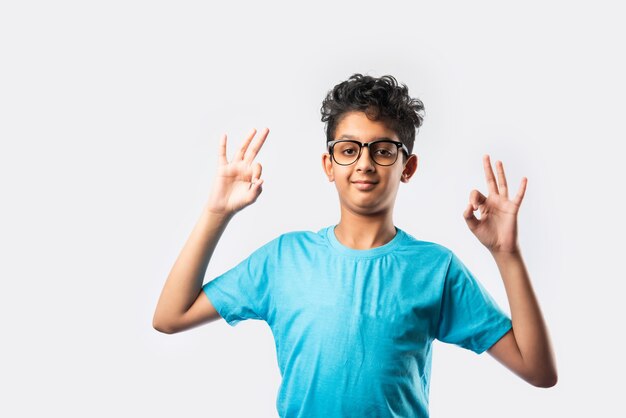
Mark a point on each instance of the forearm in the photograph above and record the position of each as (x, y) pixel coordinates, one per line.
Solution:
(529, 327)
(185, 279)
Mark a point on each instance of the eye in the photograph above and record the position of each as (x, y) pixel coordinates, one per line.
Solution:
(384, 152)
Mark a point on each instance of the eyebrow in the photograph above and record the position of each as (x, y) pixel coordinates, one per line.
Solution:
(347, 136)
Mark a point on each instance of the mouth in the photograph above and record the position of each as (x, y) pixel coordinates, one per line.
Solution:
(364, 182)
(364, 185)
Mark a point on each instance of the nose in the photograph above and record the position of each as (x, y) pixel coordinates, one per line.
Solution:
(365, 163)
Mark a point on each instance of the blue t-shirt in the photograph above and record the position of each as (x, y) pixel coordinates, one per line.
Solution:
(354, 328)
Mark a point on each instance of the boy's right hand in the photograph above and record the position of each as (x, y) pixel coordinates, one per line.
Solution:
(238, 182)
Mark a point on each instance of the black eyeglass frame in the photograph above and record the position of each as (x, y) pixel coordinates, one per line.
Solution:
(331, 146)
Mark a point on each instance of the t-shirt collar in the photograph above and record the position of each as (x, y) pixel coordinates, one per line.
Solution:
(372, 252)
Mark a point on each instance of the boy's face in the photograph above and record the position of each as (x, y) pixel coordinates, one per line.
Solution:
(381, 195)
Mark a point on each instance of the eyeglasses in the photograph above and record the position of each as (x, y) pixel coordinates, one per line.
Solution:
(384, 152)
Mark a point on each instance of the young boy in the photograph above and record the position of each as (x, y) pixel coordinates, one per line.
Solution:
(354, 307)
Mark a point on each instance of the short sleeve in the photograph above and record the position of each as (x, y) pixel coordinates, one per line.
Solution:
(469, 317)
(243, 292)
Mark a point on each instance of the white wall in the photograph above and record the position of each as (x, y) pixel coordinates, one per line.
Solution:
(110, 117)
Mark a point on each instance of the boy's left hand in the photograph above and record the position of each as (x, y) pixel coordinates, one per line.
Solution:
(497, 227)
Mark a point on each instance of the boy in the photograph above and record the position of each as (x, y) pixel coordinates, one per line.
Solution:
(354, 308)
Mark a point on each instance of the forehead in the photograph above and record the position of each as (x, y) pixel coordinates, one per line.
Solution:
(356, 125)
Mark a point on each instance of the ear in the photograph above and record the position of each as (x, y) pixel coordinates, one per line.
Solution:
(327, 165)
(409, 168)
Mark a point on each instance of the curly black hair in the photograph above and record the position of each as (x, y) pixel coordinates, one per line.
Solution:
(380, 98)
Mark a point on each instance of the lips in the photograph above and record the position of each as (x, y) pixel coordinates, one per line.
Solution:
(364, 185)
(364, 182)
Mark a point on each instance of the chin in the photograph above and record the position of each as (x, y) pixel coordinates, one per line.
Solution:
(364, 208)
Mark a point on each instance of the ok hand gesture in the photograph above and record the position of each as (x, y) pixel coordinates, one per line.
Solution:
(497, 227)
(238, 182)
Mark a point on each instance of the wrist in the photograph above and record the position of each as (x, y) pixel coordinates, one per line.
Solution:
(500, 255)
(217, 213)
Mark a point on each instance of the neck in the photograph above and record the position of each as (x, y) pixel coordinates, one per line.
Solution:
(361, 232)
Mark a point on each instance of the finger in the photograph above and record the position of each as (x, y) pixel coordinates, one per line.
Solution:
(255, 190)
(256, 171)
(222, 153)
(244, 146)
(522, 190)
(470, 219)
(491, 180)
(476, 199)
(504, 190)
(254, 149)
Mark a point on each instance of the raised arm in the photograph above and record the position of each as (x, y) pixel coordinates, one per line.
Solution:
(237, 184)
(526, 349)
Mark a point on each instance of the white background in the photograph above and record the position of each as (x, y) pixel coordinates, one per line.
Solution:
(110, 118)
